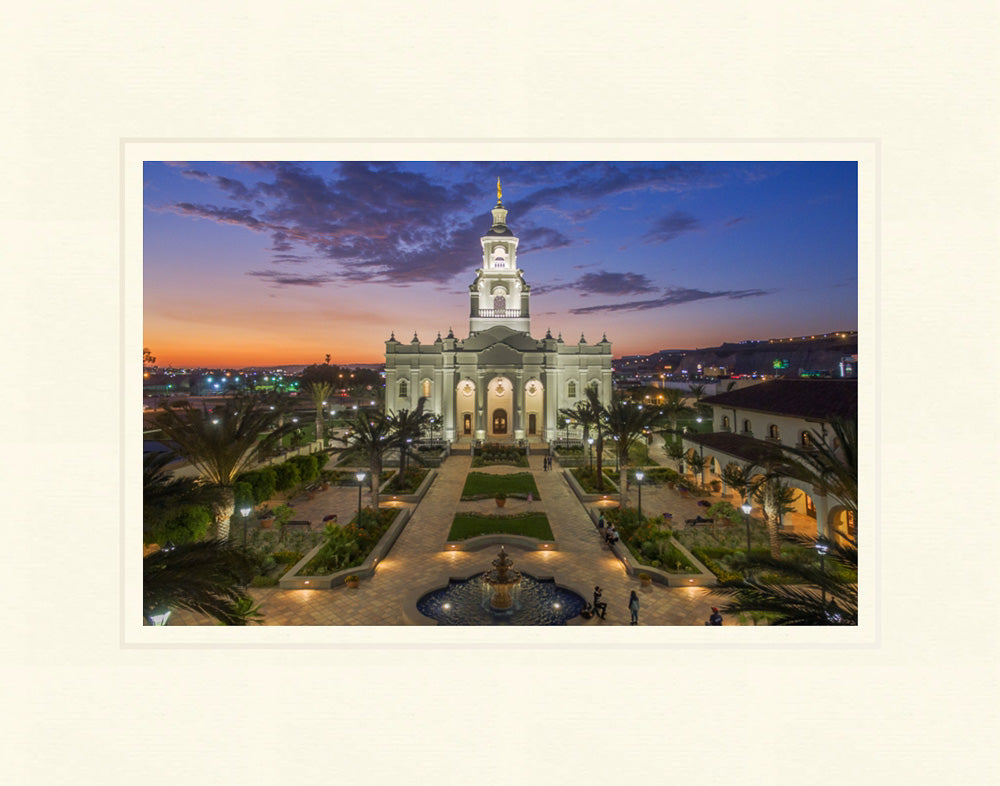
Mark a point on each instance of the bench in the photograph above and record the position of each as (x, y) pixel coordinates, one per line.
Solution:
(306, 525)
(697, 520)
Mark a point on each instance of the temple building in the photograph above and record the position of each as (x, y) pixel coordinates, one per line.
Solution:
(498, 383)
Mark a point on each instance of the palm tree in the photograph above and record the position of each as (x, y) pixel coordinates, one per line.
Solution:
(597, 414)
(697, 391)
(738, 478)
(836, 602)
(206, 577)
(775, 497)
(224, 443)
(319, 392)
(697, 463)
(832, 470)
(370, 433)
(676, 452)
(625, 423)
(673, 406)
(406, 426)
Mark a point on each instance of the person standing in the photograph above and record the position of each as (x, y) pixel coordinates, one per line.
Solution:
(600, 608)
(633, 606)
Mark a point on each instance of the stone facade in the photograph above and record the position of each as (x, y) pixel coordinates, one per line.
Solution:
(499, 382)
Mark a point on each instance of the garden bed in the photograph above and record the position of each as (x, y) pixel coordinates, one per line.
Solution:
(391, 524)
(587, 478)
(492, 454)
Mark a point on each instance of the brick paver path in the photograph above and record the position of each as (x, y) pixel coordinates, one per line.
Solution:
(419, 562)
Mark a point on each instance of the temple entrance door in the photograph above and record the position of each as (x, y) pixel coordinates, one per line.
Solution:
(532, 427)
(499, 421)
(467, 424)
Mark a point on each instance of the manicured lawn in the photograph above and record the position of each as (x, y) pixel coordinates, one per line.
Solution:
(483, 485)
(469, 525)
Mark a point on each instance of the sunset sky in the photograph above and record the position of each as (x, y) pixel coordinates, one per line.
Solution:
(270, 263)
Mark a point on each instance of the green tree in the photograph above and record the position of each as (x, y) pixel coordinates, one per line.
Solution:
(775, 498)
(405, 427)
(223, 444)
(673, 407)
(370, 433)
(824, 595)
(738, 478)
(171, 506)
(319, 392)
(677, 455)
(206, 577)
(625, 423)
(697, 463)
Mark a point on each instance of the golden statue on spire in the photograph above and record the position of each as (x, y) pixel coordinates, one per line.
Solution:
(499, 192)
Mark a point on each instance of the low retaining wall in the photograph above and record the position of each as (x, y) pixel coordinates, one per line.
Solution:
(483, 541)
(292, 580)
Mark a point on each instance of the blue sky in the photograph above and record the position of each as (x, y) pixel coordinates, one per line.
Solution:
(262, 263)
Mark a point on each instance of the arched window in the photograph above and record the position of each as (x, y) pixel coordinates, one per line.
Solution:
(725, 421)
(499, 303)
(773, 432)
(593, 385)
(404, 388)
(746, 427)
(425, 388)
(571, 389)
(807, 440)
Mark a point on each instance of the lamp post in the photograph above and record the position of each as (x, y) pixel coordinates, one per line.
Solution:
(746, 507)
(590, 441)
(638, 478)
(361, 479)
(822, 548)
(245, 512)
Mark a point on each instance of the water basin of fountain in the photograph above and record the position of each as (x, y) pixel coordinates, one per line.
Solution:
(535, 602)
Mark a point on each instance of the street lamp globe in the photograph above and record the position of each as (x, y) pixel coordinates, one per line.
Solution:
(746, 507)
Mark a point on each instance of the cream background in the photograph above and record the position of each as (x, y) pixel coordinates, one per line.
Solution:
(918, 704)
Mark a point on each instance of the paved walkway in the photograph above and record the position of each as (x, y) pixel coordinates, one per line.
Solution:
(418, 561)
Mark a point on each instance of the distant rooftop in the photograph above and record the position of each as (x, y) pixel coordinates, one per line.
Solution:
(808, 398)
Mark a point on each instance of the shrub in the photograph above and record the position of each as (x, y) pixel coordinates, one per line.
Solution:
(262, 483)
(306, 465)
(243, 494)
(321, 460)
(185, 525)
(287, 476)
(263, 581)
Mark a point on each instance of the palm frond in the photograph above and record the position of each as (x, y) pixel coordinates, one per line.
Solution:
(205, 577)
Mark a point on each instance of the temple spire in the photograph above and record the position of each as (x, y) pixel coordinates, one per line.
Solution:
(499, 191)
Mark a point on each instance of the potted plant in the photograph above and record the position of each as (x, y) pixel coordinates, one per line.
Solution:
(501, 498)
(266, 518)
(352, 581)
(645, 580)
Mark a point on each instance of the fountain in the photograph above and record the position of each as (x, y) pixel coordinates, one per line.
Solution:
(501, 583)
(501, 596)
